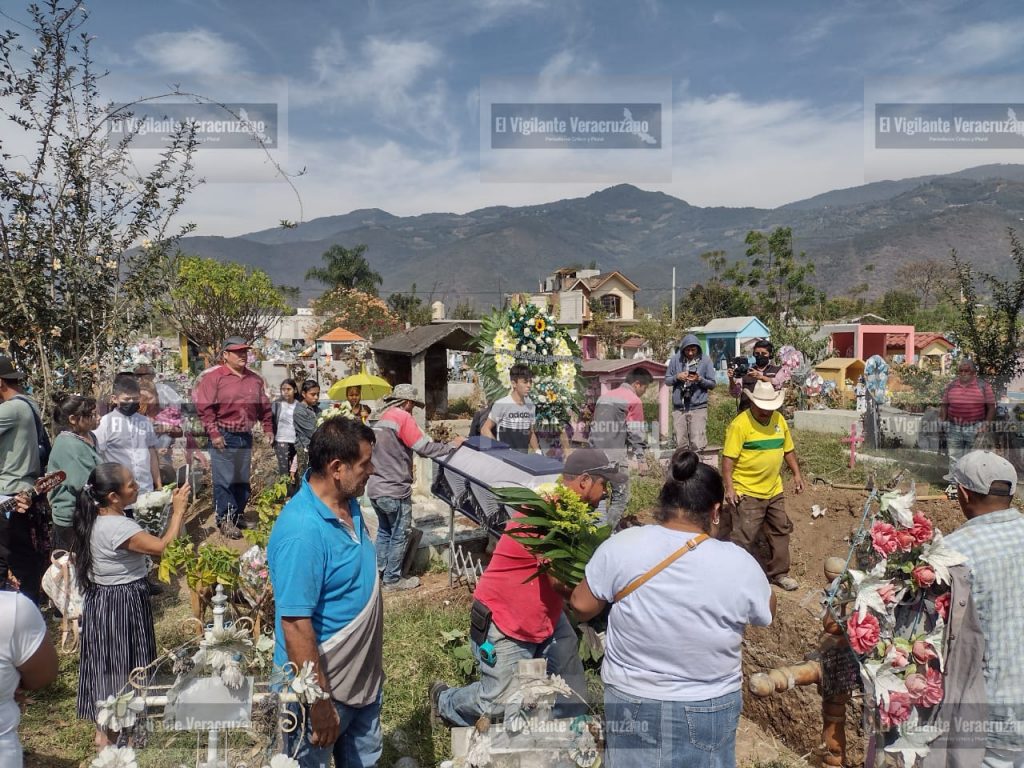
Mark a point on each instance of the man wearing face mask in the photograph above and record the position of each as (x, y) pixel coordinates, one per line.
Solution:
(126, 437)
(763, 369)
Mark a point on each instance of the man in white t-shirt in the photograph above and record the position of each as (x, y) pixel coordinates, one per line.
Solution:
(27, 660)
(511, 418)
(126, 437)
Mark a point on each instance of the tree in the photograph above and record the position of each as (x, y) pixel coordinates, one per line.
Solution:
(346, 268)
(211, 300)
(84, 234)
(292, 296)
(990, 333)
(659, 332)
(361, 313)
(465, 310)
(929, 279)
(706, 301)
(409, 307)
(899, 307)
(608, 332)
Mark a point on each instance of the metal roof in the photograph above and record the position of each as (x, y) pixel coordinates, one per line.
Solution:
(455, 335)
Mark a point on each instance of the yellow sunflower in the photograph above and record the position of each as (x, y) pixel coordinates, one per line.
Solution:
(540, 325)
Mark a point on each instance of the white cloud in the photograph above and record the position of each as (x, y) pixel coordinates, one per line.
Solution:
(978, 45)
(396, 79)
(726, 20)
(198, 52)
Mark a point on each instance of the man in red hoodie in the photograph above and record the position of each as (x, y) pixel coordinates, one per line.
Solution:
(521, 615)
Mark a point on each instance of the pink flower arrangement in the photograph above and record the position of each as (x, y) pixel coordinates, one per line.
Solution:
(863, 633)
(903, 566)
(883, 539)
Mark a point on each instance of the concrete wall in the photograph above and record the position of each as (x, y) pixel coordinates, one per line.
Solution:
(829, 420)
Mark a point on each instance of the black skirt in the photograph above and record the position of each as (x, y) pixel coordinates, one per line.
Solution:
(117, 637)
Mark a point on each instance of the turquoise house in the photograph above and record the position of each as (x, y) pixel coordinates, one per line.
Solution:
(727, 337)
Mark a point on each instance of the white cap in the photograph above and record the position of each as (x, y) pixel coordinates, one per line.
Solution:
(978, 471)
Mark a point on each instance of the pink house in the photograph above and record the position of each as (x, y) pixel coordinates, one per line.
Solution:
(861, 341)
(603, 375)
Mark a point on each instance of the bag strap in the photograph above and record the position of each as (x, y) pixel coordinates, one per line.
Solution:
(639, 581)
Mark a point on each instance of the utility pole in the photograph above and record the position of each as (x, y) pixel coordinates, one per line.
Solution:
(673, 295)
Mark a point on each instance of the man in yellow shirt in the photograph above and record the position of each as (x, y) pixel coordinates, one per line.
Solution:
(756, 443)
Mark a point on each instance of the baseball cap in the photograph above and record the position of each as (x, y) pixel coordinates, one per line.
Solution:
(403, 392)
(235, 344)
(7, 370)
(594, 462)
(986, 473)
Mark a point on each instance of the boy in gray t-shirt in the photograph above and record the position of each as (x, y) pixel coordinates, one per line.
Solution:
(511, 418)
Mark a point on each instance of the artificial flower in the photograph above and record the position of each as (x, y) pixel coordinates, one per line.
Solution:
(283, 761)
(863, 632)
(923, 652)
(923, 576)
(942, 605)
(905, 539)
(118, 713)
(888, 593)
(896, 711)
(933, 692)
(306, 686)
(916, 686)
(883, 538)
(897, 657)
(115, 757)
(923, 529)
(540, 325)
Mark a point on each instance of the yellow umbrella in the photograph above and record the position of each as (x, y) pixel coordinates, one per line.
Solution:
(371, 387)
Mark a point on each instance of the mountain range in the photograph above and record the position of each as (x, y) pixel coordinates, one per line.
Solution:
(476, 256)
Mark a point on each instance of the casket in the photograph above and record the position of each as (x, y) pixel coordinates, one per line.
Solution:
(464, 479)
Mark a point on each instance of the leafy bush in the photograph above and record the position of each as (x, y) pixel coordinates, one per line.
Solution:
(461, 406)
(268, 505)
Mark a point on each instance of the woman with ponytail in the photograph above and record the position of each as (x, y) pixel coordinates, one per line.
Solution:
(680, 602)
(74, 453)
(110, 563)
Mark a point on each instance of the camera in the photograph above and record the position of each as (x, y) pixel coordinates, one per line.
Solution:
(687, 387)
(740, 366)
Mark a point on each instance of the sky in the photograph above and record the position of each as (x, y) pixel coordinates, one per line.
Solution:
(382, 98)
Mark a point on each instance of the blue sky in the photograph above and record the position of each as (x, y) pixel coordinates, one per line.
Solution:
(382, 96)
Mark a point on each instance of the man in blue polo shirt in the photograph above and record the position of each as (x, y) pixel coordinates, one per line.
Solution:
(323, 567)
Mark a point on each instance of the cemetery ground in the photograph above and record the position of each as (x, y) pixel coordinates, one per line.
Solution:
(424, 628)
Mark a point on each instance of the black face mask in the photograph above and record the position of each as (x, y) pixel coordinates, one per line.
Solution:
(128, 409)
(761, 360)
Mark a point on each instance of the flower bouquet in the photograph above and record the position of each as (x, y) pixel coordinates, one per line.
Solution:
(527, 334)
(153, 508)
(900, 602)
(559, 528)
(337, 410)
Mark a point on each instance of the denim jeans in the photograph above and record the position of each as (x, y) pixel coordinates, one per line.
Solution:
(999, 758)
(359, 743)
(487, 696)
(960, 440)
(647, 733)
(394, 517)
(230, 467)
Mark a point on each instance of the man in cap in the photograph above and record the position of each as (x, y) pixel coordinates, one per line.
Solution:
(231, 399)
(390, 486)
(757, 442)
(618, 429)
(992, 540)
(20, 467)
(518, 614)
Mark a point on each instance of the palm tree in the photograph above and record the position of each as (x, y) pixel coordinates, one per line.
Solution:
(346, 268)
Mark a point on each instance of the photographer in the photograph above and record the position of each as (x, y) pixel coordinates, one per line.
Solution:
(691, 375)
(744, 376)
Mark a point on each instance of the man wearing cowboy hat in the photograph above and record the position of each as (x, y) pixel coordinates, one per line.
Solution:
(230, 400)
(390, 485)
(756, 443)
